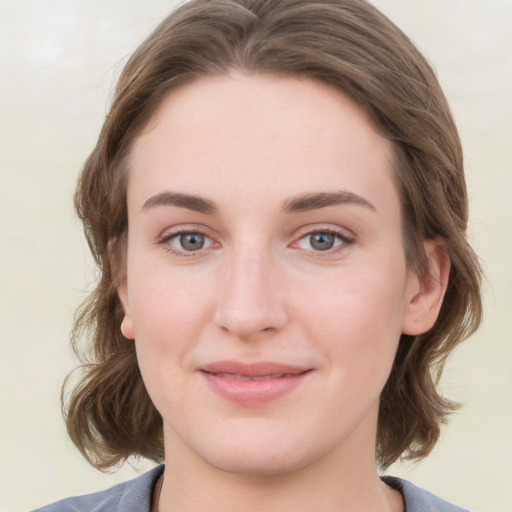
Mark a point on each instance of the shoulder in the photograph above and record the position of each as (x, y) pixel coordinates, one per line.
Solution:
(420, 500)
(132, 496)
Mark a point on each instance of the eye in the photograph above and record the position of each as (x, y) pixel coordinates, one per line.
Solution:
(322, 241)
(186, 242)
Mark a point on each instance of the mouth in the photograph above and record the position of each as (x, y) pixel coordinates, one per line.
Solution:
(252, 384)
(237, 376)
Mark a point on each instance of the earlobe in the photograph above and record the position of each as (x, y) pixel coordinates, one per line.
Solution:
(426, 293)
(127, 327)
(119, 274)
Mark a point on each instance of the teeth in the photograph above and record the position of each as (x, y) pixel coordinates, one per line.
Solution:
(236, 376)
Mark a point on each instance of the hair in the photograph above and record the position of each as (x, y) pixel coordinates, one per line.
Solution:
(351, 46)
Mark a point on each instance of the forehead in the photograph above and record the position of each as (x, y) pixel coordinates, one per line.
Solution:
(271, 135)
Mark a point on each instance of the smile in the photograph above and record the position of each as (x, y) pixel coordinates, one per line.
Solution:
(252, 384)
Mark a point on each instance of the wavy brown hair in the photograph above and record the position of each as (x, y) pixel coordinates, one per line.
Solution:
(351, 46)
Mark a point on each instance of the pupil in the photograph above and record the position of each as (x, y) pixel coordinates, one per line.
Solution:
(322, 241)
(192, 241)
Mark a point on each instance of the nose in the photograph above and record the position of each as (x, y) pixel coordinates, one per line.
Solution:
(251, 302)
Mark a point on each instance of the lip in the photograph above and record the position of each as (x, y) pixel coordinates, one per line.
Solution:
(255, 383)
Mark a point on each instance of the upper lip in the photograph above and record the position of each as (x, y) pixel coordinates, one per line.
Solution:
(260, 369)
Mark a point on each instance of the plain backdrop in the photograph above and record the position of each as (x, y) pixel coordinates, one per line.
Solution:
(58, 63)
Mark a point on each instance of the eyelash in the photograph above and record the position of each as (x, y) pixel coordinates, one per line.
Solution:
(342, 237)
(167, 238)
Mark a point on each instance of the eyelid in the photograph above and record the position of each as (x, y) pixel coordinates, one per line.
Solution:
(185, 228)
(324, 228)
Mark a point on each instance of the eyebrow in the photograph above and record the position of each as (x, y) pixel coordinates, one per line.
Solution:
(319, 200)
(191, 202)
(303, 203)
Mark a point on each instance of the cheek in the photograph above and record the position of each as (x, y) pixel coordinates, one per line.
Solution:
(356, 316)
(166, 309)
(167, 323)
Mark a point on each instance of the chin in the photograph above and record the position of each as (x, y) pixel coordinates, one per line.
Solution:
(249, 463)
(257, 451)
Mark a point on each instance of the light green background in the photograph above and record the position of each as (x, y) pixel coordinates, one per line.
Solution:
(58, 62)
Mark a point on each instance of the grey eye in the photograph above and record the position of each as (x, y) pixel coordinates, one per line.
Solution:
(322, 241)
(191, 241)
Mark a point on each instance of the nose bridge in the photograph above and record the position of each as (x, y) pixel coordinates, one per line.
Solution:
(250, 301)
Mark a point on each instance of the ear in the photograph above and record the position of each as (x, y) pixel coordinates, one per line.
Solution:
(119, 275)
(425, 293)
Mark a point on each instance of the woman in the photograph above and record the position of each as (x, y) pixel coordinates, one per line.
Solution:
(277, 206)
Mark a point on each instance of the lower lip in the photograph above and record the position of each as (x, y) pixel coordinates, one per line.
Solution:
(253, 392)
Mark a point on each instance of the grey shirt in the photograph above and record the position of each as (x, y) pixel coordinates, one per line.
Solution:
(135, 496)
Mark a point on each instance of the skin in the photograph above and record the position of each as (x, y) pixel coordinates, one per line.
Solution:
(259, 290)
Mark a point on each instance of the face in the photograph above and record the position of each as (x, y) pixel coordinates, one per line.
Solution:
(266, 284)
